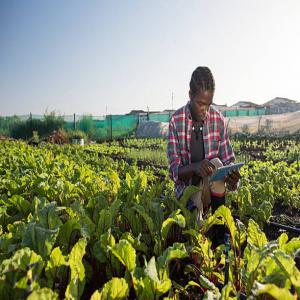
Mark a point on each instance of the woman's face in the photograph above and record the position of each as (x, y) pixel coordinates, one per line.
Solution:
(200, 104)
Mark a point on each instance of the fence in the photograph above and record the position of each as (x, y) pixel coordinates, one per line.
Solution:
(121, 126)
(97, 127)
(244, 112)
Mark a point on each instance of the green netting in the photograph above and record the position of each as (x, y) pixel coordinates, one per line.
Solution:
(261, 111)
(98, 128)
(69, 125)
(244, 112)
(159, 117)
(253, 112)
(102, 131)
(123, 126)
(230, 113)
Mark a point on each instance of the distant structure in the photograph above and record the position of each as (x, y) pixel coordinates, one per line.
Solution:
(241, 109)
(281, 105)
(136, 112)
(245, 104)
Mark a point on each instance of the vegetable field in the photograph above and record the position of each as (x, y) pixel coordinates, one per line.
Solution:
(101, 222)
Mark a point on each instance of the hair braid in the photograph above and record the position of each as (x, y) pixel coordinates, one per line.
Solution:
(202, 80)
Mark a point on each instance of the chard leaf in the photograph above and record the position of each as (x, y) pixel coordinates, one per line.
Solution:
(125, 253)
(256, 237)
(20, 260)
(103, 246)
(77, 281)
(65, 232)
(174, 218)
(22, 205)
(56, 260)
(292, 246)
(135, 241)
(158, 286)
(272, 290)
(43, 294)
(142, 212)
(96, 296)
(115, 289)
(48, 216)
(39, 239)
(177, 251)
(151, 270)
(225, 214)
(105, 221)
(283, 238)
(187, 193)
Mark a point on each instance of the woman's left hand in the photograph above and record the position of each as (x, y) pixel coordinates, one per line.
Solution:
(232, 180)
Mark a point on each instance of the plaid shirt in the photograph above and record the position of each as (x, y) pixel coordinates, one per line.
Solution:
(215, 138)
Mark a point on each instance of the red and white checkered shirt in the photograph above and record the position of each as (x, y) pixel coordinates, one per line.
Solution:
(215, 139)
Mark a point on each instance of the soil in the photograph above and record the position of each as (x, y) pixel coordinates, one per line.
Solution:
(285, 215)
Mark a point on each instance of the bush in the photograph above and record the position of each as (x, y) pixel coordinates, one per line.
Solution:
(44, 127)
(7, 123)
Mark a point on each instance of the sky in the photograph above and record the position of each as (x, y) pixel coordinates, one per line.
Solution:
(110, 57)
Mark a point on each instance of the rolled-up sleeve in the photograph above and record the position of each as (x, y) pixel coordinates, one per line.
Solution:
(173, 151)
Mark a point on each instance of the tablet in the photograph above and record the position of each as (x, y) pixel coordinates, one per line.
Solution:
(221, 172)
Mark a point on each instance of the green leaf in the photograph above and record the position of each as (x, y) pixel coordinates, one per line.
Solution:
(43, 294)
(177, 251)
(187, 194)
(256, 237)
(292, 246)
(77, 281)
(96, 296)
(241, 233)
(115, 289)
(105, 221)
(283, 238)
(87, 227)
(150, 286)
(102, 247)
(39, 239)
(150, 269)
(142, 212)
(56, 260)
(65, 232)
(174, 218)
(48, 216)
(125, 254)
(135, 241)
(21, 204)
(225, 213)
(20, 260)
(206, 283)
(272, 290)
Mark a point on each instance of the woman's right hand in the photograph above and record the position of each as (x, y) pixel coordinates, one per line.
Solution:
(203, 168)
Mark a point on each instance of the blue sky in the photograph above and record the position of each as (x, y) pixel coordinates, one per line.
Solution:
(115, 56)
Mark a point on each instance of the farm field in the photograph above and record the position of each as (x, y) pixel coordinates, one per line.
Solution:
(101, 222)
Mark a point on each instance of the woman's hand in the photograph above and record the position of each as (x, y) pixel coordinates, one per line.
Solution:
(203, 168)
(232, 180)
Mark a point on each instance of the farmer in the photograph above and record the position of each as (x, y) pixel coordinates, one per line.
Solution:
(198, 143)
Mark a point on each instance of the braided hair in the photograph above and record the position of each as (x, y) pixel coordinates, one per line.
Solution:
(202, 80)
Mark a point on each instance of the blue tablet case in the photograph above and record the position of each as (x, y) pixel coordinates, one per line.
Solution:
(223, 171)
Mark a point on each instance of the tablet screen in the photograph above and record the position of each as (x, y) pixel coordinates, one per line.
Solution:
(221, 172)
